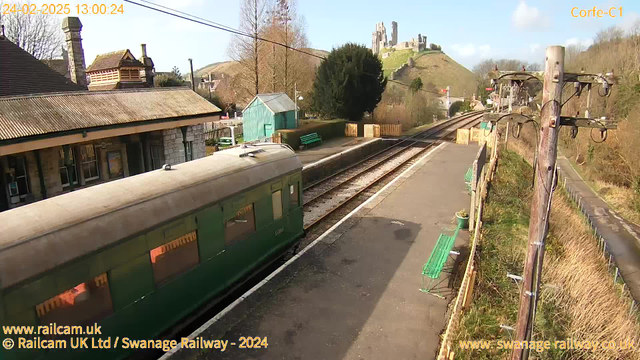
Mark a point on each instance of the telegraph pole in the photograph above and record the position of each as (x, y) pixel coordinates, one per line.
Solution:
(193, 85)
(540, 204)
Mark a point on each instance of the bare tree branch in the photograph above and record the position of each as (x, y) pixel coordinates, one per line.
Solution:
(38, 34)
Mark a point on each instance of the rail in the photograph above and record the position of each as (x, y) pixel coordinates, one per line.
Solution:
(442, 130)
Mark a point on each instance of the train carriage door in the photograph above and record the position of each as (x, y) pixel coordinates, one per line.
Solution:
(268, 130)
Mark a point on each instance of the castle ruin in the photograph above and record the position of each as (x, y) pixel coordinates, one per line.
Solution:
(379, 40)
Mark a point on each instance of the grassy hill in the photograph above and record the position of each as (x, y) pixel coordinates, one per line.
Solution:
(433, 67)
(232, 67)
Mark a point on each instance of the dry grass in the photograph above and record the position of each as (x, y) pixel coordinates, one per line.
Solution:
(618, 198)
(579, 299)
(597, 308)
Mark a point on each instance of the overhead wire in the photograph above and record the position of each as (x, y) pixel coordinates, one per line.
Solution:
(202, 21)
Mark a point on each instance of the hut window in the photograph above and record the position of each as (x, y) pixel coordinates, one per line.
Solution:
(276, 200)
(89, 162)
(175, 257)
(242, 224)
(83, 304)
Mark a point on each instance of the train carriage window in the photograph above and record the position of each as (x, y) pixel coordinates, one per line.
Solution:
(175, 257)
(242, 224)
(86, 303)
(276, 200)
(293, 195)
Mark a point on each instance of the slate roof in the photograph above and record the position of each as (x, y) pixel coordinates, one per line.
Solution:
(21, 73)
(113, 60)
(24, 116)
(61, 66)
(275, 102)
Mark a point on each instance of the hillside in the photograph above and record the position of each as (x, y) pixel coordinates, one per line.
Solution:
(232, 67)
(433, 67)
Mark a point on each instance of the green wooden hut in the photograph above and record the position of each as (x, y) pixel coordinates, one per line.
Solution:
(267, 113)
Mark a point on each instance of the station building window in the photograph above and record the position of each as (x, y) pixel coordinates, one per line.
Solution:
(86, 303)
(175, 257)
(157, 156)
(239, 226)
(276, 200)
(89, 162)
(67, 173)
(293, 195)
(16, 178)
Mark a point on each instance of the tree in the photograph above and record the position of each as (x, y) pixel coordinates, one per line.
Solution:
(349, 82)
(174, 78)
(38, 34)
(246, 50)
(416, 85)
(283, 66)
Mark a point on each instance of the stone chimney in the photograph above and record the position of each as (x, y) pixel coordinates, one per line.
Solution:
(147, 74)
(72, 27)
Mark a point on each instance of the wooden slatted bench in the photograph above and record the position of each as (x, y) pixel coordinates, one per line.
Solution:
(433, 267)
(467, 178)
(310, 139)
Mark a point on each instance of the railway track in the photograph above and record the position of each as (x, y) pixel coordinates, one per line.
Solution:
(351, 186)
(329, 199)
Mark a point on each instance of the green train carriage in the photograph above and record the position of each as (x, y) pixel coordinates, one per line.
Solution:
(139, 254)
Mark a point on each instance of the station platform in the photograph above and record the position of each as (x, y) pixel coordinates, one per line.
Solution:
(354, 292)
(330, 147)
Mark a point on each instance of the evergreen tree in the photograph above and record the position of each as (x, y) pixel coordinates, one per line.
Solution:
(348, 83)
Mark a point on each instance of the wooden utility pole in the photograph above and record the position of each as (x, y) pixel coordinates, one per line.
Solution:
(193, 84)
(540, 204)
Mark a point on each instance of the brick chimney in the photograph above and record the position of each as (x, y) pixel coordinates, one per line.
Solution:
(72, 27)
(147, 74)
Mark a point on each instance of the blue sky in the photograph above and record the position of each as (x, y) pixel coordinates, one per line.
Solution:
(466, 30)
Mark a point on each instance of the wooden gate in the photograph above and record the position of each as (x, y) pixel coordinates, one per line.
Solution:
(390, 129)
(351, 130)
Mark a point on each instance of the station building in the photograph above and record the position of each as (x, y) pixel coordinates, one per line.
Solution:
(56, 136)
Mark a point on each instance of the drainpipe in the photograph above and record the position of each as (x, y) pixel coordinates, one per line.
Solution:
(43, 188)
(184, 142)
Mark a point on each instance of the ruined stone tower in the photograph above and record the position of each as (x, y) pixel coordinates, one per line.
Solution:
(394, 34)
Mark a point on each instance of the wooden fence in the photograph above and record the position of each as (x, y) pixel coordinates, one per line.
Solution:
(390, 129)
(216, 134)
(465, 293)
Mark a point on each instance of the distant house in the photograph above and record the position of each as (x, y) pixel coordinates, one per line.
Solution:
(121, 70)
(267, 113)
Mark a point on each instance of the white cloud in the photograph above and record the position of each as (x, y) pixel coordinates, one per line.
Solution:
(631, 20)
(534, 47)
(466, 50)
(585, 43)
(529, 17)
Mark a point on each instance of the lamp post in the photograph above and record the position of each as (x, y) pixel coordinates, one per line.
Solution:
(296, 98)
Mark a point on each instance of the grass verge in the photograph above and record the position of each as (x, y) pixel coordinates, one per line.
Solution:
(578, 298)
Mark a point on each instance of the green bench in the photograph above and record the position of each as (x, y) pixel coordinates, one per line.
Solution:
(310, 139)
(467, 178)
(433, 267)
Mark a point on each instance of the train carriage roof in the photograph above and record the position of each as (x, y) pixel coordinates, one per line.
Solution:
(41, 236)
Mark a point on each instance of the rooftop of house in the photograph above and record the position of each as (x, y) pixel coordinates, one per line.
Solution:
(275, 102)
(40, 114)
(114, 60)
(21, 73)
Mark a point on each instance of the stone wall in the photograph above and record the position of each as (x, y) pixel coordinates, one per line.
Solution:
(174, 147)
